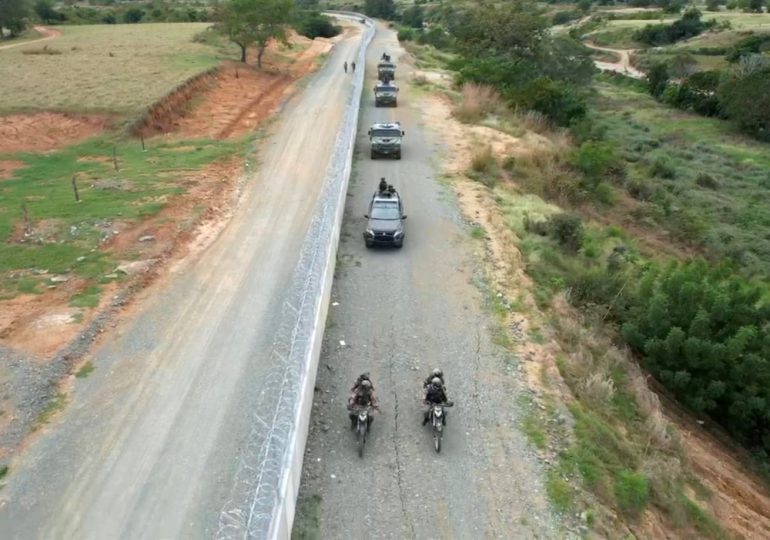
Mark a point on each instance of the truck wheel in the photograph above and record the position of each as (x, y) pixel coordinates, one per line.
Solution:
(398, 155)
(400, 244)
(376, 103)
(368, 243)
(374, 155)
(395, 103)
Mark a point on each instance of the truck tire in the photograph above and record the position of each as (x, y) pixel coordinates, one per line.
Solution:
(398, 156)
(374, 155)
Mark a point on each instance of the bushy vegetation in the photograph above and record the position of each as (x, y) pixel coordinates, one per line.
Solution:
(509, 47)
(663, 34)
(313, 24)
(741, 94)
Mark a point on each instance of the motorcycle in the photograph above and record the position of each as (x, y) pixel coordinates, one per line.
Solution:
(438, 422)
(362, 422)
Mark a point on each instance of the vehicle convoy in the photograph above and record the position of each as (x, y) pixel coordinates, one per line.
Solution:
(386, 71)
(386, 140)
(385, 95)
(385, 220)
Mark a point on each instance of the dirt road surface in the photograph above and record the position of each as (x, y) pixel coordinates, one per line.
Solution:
(623, 66)
(148, 445)
(47, 33)
(398, 314)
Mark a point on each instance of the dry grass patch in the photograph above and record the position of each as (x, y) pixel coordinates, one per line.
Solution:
(104, 68)
(477, 102)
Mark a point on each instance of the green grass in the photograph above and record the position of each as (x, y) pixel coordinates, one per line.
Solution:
(116, 69)
(477, 232)
(85, 370)
(672, 152)
(632, 490)
(307, 519)
(55, 405)
(560, 492)
(64, 230)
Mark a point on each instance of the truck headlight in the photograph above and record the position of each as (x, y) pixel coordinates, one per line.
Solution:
(369, 232)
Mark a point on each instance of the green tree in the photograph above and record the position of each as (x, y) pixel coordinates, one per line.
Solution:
(384, 9)
(413, 16)
(13, 14)
(45, 11)
(254, 22)
(746, 101)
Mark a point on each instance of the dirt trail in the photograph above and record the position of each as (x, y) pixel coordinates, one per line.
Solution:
(48, 33)
(622, 66)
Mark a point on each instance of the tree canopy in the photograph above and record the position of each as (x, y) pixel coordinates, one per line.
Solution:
(254, 22)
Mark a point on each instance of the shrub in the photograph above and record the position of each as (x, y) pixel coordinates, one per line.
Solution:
(707, 181)
(478, 101)
(133, 15)
(314, 24)
(595, 159)
(663, 168)
(567, 230)
(632, 491)
(746, 100)
(406, 34)
(558, 100)
(436, 36)
(563, 17)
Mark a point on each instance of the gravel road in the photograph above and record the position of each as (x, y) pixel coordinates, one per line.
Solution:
(148, 446)
(399, 314)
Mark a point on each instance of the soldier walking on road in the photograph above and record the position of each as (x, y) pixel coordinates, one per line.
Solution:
(353, 65)
(345, 66)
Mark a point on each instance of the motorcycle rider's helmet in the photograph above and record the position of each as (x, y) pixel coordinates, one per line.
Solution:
(436, 382)
(438, 373)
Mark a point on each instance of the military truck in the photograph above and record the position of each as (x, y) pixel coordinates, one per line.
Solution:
(386, 71)
(385, 95)
(386, 140)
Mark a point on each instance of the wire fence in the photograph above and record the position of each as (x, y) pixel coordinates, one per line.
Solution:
(262, 499)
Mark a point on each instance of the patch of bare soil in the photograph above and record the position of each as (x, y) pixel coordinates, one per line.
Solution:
(7, 166)
(45, 131)
(43, 324)
(235, 98)
(739, 500)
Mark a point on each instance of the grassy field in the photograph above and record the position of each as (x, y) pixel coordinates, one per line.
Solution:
(620, 33)
(117, 69)
(697, 179)
(63, 236)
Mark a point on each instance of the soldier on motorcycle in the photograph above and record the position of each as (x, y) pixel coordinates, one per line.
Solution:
(361, 378)
(363, 396)
(435, 394)
(433, 374)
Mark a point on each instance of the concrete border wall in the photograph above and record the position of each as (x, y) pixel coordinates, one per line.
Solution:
(339, 178)
(263, 498)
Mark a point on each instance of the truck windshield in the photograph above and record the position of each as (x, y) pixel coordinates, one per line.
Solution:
(386, 133)
(385, 210)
